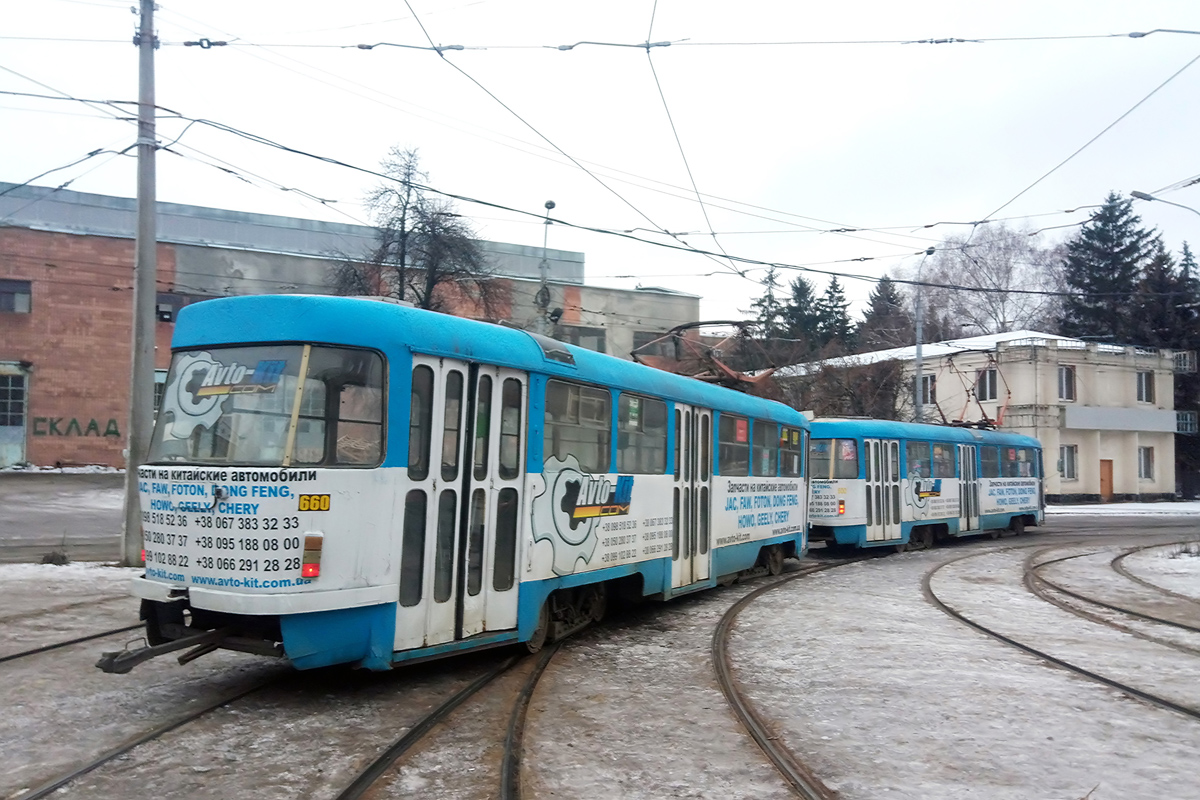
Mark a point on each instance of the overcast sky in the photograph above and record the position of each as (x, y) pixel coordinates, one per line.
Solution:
(788, 118)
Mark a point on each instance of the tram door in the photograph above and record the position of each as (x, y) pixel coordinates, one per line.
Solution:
(691, 500)
(968, 488)
(458, 548)
(882, 472)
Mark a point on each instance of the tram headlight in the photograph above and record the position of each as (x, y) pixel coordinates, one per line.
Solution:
(311, 563)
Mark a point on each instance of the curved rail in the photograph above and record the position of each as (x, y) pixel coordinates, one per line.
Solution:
(798, 777)
(1119, 567)
(38, 612)
(376, 769)
(510, 767)
(938, 603)
(67, 643)
(50, 787)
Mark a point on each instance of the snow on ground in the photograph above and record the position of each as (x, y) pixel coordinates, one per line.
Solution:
(1184, 508)
(1170, 567)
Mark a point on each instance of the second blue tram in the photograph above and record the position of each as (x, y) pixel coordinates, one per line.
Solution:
(878, 483)
(338, 480)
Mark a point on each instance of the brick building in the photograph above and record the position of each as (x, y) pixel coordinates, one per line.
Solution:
(66, 298)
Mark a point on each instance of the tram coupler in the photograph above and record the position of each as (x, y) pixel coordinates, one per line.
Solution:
(119, 662)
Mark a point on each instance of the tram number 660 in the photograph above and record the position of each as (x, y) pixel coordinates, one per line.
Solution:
(314, 502)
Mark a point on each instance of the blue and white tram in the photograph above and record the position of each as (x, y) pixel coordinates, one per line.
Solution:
(877, 483)
(340, 480)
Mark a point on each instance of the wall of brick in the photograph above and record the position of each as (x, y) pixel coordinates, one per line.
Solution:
(77, 339)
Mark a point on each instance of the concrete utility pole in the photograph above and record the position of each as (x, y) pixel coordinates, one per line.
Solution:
(145, 275)
(918, 399)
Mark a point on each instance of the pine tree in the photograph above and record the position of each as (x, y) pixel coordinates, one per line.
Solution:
(768, 310)
(802, 316)
(1189, 301)
(834, 324)
(886, 323)
(1102, 268)
(1159, 302)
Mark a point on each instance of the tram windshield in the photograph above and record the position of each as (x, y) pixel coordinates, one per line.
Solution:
(271, 405)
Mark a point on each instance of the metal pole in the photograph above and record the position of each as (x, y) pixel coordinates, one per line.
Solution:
(145, 273)
(918, 404)
(543, 295)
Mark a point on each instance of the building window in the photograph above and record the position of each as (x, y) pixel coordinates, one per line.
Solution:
(15, 296)
(1066, 383)
(1068, 462)
(1146, 463)
(1145, 386)
(1185, 422)
(985, 384)
(928, 390)
(12, 401)
(587, 338)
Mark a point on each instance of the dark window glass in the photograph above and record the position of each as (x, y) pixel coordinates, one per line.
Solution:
(675, 526)
(678, 439)
(452, 425)
(766, 445)
(420, 422)
(475, 542)
(791, 452)
(15, 296)
(578, 422)
(641, 435)
(705, 447)
(989, 461)
(505, 567)
(733, 445)
(943, 461)
(412, 549)
(845, 458)
(443, 556)
(483, 426)
(510, 429)
(917, 457)
(703, 519)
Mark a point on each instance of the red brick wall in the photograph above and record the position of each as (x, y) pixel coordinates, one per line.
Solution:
(77, 336)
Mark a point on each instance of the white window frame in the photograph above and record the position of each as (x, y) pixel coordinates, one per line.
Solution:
(986, 384)
(1145, 387)
(1146, 463)
(1068, 462)
(929, 390)
(1066, 383)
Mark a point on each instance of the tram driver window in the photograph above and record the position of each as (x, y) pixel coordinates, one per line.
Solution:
(341, 411)
(832, 458)
(578, 423)
(733, 445)
(641, 435)
(917, 455)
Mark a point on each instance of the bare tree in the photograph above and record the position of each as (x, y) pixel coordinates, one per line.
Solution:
(425, 253)
(989, 265)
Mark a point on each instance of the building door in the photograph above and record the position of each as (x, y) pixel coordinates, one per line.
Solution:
(458, 571)
(691, 548)
(968, 489)
(882, 471)
(14, 397)
(1106, 479)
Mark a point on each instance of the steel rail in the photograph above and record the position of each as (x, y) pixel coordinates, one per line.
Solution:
(938, 603)
(39, 612)
(802, 781)
(50, 787)
(67, 643)
(1118, 565)
(376, 769)
(510, 767)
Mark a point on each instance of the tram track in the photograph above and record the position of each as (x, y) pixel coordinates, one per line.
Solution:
(1118, 565)
(67, 643)
(1147, 696)
(799, 778)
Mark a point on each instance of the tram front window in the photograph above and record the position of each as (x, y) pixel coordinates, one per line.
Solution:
(240, 405)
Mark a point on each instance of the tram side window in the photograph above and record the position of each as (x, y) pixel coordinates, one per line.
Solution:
(989, 461)
(917, 455)
(420, 421)
(733, 445)
(766, 442)
(641, 435)
(510, 429)
(578, 423)
(1018, 462)
(943, 461)
(791, 450)
(832, 458)
(412, 549)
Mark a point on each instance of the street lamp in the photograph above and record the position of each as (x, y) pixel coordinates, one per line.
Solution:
(543, 295)
(1144, 196)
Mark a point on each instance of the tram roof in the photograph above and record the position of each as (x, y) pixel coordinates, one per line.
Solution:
(385, 326)
(829, 427)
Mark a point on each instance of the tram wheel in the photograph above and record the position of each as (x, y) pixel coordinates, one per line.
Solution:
(1017, 525)
(538, 639)
(595, 602)
(775, 559)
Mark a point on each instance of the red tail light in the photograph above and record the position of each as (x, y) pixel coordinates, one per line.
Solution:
(311, 567)
(841, 507)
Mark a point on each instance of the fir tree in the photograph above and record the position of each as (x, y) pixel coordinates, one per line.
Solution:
(1189, 301)
(1159, 302)
(802, 315)
(834, 324)
(1102, 268)
(768, 310)
(886, 322)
